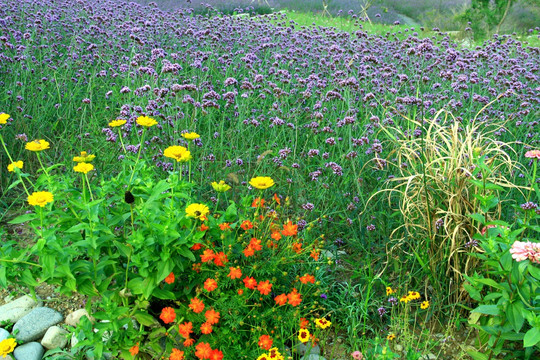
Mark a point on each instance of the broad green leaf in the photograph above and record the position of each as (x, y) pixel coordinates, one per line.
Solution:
(490, 282)
(163, 294)
(514, 314)
(477, 355)
(23, 218)
(478, 217)
(144, 318)
(164, 268)
(488, 310)
(532, 337)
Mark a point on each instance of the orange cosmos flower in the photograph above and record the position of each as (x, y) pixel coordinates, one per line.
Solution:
(212, 316)
(276, 235)
(170, 278)
(315, 255)
(196, 305)
(203, 350)
(196, 247)
(250, 282)
(167, 315)
(281, 299)
(206, 328)
(249, 251)
(264, 287)
(303, 323)
(277, 199)
(307, 278)
(255, 244)
(225, 226)
(203, 227)
(220, 259)
(297, 247)
(289, 229)
(176, 355)
(188, 342)
(246, 225)
(216, 355)
(235, 273)
(265, 342)
(240, 291)
(210, 285)
(134, 350)
(294, 297)
(185, 329)
(207, 255)
(257, 202)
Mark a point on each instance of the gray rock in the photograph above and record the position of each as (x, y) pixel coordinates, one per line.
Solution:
(301, 349)
(55, 337)
(429, 356)
(29, 351)
(313, 357)
(8, 357)
(74, 318)
(3, 334)
(13, 311)
(74, 341)
(34, 325)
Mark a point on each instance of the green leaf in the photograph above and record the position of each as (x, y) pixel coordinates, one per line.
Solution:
(163, 294)
(532, 337)
(477, 355)
(164, 268)
(86, 287)
(490, 282)
(3, 277)
(534, 271)
(144, 318)
(488, 310)
(514, 314)
(231, 213)
(478, 217)
(23, 218)
(78, 228)
(185, 252)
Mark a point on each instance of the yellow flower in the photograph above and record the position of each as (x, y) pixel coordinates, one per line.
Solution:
(146, 121)
(191, 136)
(3, 118)
(413, 295)
(405, 299)
(83, 167)
(179, 153)
(424, 305)
(7, 346)
(304, 335)
(17, 164)
(261, 182)
(322, 323)
(221, 186)
(389, 291)
(40, 198)
(391, 336)
(84, 157)
(197, 211)
(37, 145)
(116, 123)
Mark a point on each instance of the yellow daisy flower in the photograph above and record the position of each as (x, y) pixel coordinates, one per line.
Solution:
(424, 305)
(7, 346)
(323, 323)
(146, 121)
(389, 291)
(391, 336)
(221, 186)
(40, 198)
(83, 167)
(17, 164)
(261, 182)
(304, 335)
(197, 211)
(4, 118)
(37, 145)
(191, 136)
(179, 153)
(116, 123)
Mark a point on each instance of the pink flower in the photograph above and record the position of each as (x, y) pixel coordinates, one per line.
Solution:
(357, 355)
(533, 154)
(526, 250)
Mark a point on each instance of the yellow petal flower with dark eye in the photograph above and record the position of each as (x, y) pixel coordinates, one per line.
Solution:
(179, 153)
(37, 145)
(4, 118)
(7, 346)
(146, 121)
(424, 305)
(116, 123)
(198, 211)
(191, 136)
(322, 323)
(261, 182)
(83, 167)
(221, 186)
(389, 291)
(40, 198)
(304, 335)
(391, 336)
(17, 164)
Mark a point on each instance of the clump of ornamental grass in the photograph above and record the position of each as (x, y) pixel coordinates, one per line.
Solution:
(439, 166)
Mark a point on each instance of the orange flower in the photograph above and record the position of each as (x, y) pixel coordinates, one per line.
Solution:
(207, 255)
(297, 247)
(188, 342)
(277, 199)
(315, 255)
(264, 287)
(303, 323)
(249, 251)
(250, 282)
(225, 226)
(206, 328)
(289, 229)
(257, 202)
(176, 355)
(167, 315)
(216, 355)
(220, 259)
(276, 235)
(211, 316)
(265, 342)
(185, 329)
(294, 297)
(240, 291)
(246, 225)
(134, 350)
(196, 305)
(204, 227)
(255, 244)
(235, 273)
(170, 278)
(197, 246)
(307, 278)
(203, 350)
(281, 299)
(210, 285)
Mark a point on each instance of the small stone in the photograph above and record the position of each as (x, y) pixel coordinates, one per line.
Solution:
(74, 318)
(34, 325)
(55, 337)
(16, 309)
(313, 357)
(429, 356)
(74, 341)
(3, 334)
(301, 349)
(29, 351)
(7, 358)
